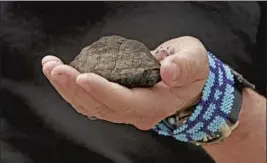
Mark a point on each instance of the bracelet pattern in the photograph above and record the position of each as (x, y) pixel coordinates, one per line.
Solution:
(213, 109)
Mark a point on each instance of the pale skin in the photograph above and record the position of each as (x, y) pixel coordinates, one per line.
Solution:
(184, 71)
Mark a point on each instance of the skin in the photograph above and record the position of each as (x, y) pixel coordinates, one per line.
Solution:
(247, 143)
(184, 71)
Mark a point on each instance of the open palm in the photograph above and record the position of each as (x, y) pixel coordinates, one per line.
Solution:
(184, 71)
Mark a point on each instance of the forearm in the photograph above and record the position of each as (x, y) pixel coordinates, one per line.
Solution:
(247, 143)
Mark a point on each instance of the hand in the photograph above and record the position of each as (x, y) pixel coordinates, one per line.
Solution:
(184, 71)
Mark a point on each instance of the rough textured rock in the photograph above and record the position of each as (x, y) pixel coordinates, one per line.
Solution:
(126, 62)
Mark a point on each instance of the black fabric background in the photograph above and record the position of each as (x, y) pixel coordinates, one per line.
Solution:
(37, 126)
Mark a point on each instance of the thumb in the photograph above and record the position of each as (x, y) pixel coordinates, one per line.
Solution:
(184, 67)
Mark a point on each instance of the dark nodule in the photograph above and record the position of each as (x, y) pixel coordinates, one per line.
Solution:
(124, 61)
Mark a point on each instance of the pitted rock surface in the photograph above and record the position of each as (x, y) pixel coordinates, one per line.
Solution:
(120, 60)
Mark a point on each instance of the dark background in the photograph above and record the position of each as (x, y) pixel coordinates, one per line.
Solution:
(37, 126)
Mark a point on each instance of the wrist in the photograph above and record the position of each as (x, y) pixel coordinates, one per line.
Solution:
(252, 116)
(217, 114)
(214, 119)
(249, 136)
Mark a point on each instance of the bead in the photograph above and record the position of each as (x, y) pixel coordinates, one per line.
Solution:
(209, 111)
(207, 87)
(211, 61)
(216, 124)
(220, 77)
(209, 115)
(196, 128)
(172, 121)
(217, 94)
(196, 113)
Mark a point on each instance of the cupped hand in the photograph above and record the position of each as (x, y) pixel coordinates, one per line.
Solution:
(184, 71)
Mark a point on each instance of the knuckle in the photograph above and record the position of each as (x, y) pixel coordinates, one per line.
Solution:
(193, 41)
(190, 38)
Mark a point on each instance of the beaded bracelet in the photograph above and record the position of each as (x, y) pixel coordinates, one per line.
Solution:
(211, 113)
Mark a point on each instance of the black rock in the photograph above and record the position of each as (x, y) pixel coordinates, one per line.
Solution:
(120, 60)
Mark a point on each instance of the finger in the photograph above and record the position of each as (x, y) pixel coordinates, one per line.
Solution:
(80, 109)
(111, 94)
(50, 58)
(47, 69)
(74, 91)
(153, 100)
(102, 114)
(184, 67)
(186, 95)
(110, 115)
(181, 60)
(130, 104)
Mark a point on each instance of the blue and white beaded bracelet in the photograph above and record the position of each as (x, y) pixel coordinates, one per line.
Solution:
(213, 110)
